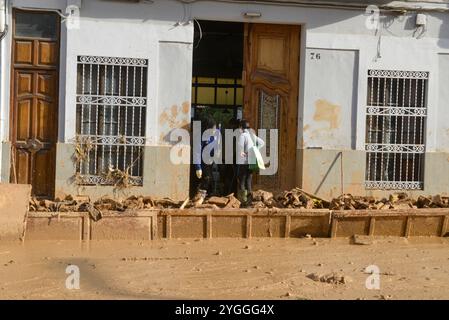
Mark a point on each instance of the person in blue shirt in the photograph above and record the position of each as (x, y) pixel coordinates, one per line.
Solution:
(203, 170)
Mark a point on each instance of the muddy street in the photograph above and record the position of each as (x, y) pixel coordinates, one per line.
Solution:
(226, 269)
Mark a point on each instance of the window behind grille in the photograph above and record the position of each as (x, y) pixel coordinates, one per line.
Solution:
(111, 110)
(395, 129)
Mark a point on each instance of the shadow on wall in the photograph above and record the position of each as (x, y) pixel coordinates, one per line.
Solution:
(443, 34)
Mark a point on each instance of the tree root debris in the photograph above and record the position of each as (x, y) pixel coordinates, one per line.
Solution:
(293, 199)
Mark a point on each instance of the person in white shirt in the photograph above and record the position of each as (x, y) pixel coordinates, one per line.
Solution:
(246, 141)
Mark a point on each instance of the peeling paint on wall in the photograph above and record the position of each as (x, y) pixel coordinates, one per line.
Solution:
(326, 111)
(186, 108)
(174, 117)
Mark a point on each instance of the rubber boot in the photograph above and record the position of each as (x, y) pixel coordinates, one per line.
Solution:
(249, 201)
(243, 197)
(199, 198)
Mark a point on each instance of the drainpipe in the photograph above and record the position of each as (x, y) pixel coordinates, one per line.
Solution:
(4, 27)
(3, 19)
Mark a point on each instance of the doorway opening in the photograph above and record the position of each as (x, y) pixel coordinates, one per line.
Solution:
(251, 71)
(217, 89)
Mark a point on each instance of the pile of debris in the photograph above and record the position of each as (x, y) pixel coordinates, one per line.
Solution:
(198, 202)
(297, 198)
(396, 201)
(332, 278)
(264, 199)
(84, 204)
(437, 201)
(293, 199)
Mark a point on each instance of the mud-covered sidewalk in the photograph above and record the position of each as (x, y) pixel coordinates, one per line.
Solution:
(227, 269)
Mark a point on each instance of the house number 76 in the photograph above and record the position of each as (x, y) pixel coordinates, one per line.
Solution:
(315, 56)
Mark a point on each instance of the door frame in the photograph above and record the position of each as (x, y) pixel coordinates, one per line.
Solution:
(13, 86)
(249, 95)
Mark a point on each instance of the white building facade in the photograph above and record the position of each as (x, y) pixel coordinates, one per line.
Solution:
(371, 111)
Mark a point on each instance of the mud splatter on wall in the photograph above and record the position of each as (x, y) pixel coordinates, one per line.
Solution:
(174, 117)
(326, 111)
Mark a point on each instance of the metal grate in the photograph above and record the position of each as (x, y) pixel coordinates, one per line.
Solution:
(111, 108)
(395, 136)
(269, 118)
(269, 115)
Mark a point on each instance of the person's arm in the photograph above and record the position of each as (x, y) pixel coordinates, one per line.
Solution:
(215, 141)
(241, 146)
(218, 141)
(197, 161)
(259, 142)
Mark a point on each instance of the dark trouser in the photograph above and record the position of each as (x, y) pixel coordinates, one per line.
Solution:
(245, 178)
(230, 178)
(205, 183)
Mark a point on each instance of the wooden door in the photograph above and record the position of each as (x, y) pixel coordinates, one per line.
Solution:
(271, 94)
(34, 100)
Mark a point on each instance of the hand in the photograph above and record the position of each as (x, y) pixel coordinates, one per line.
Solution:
(199, 174)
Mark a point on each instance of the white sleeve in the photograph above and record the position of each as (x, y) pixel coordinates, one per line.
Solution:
(259, 142)
(242, 143)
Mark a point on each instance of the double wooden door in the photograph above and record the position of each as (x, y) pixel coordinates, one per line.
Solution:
(34, 100)
(271, 80)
